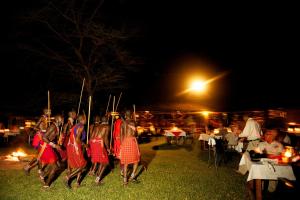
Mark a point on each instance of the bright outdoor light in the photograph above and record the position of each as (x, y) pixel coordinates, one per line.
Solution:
(198, 86)
(205, 113)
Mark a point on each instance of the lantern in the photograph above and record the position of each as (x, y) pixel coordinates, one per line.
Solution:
(288, 153)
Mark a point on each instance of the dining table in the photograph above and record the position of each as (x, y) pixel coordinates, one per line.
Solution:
(263, 169)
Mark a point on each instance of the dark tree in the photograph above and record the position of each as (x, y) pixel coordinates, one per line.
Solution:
(73, 37)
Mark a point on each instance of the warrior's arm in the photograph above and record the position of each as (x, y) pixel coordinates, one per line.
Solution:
(50, 135)
(105, 137)
(78, 134)
(37, 126)
(92, 131)
(122, 131)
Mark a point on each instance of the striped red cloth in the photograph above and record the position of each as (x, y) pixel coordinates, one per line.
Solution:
(98, 151)
(63, 151)
(74, 153)
(129, 152)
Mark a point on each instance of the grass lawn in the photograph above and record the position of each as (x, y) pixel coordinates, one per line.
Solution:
(173, 173)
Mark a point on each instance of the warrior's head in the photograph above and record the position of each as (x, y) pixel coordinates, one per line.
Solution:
(72, 114)
(104, 119)
(82, 119)
(97, 119)
(127, 114)
(46, 111)
(58, 119)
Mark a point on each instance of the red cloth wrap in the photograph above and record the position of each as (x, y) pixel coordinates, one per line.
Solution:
(117, 139)
(74, 152)
(130, 152)
(37, 139)
(48, 156)
(63, 151)
(98, 151)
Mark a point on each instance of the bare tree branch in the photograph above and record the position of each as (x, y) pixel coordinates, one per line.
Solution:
(83, 45)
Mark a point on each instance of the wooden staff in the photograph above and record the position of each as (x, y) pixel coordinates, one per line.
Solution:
(118, 101)
(112, 124)
(80, 98)
(107, 104)
(88, 122)
(134, 113)
(60, 131)
(49, 108)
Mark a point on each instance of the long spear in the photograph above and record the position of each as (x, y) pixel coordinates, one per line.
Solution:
(134, 118)
(88, 122)
(49, 108)
(118, 101)
(80, 97)
(112, 123)
(108, 104)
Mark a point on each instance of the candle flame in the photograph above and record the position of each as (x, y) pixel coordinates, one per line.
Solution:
(288, 154)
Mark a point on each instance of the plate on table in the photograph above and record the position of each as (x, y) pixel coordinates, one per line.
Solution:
(255, 159)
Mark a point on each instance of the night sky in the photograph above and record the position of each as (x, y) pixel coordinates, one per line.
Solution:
(256, 45)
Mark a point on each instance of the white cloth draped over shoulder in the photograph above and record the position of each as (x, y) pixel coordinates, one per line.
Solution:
(252, 130)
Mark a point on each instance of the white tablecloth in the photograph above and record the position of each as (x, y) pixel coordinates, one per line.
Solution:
(204, 136)
(259, 170)
(169, 133)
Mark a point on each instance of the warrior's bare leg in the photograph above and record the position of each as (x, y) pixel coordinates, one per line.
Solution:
(42, 172)
(125, 181)
(133, 174)
(78, 178)
(51, 176)
(77, 172)
(93, 169)
(100, 173)
(121, 168)
(30, 165)
(71, 175)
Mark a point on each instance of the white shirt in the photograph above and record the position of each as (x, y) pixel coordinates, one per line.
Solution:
(252, 130)
(232, 139)
(275, 148)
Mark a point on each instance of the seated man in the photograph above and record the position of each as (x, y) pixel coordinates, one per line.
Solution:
(272, 148)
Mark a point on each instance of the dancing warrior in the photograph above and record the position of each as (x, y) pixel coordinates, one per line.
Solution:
(40, 129)
(99, 145)
(117, 133)
(76, 161)
(48, 154)
(129, 153)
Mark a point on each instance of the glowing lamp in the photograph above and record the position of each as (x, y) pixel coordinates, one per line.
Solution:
(198, 86)
(287, 154)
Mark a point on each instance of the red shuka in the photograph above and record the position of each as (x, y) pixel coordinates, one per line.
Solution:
(130, 152)
(117, 137)
(48, 156)
(74, 152)
(98, 151)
